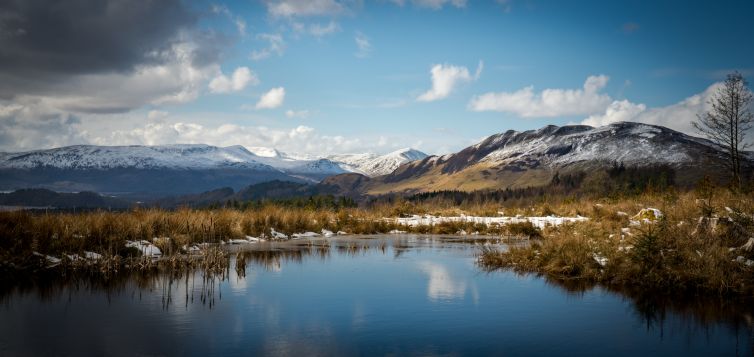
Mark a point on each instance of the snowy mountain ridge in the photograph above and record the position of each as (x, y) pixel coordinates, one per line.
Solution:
(177, 156)
(530, 158)
(377, 165)
(201, 156)
(630, 143)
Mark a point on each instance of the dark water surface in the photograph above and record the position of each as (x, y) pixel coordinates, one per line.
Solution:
(403, 295)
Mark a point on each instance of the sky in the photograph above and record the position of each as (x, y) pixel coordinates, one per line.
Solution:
(343, 76)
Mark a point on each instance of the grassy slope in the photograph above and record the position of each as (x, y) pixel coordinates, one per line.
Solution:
(477, 177)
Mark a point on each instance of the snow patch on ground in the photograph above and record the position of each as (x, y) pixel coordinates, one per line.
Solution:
(540, 222)
(146, 248)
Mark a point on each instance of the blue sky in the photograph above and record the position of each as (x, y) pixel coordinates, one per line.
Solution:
(358, 76)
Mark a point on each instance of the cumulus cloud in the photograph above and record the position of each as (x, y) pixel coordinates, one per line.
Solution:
(445, 78)
(678, 116)
(272, 99)
(275, 45)
(299, 139)
(548, 103)
(107, 56)
(241, 78)
(302, 114)
(364, 47)
(52, 128)
(294, 8)
(177, 80)
(25, 127)
(619, 110)
(93, 37)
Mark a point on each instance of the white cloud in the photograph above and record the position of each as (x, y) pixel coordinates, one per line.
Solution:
(32, 126)
(299, 139)
(293, 8)
(678, 116)
(445, 78)
(157, 114)
(241, 78)
(26, 126)
(239, 22)
(622, 110)
(437, 4)
(301, 131)
(275, 45)
(363, 45)
(272, 99)
(241, 26)
(302, 114)
(177, 79)
(479, 69)
(319, 30)
(548, 103)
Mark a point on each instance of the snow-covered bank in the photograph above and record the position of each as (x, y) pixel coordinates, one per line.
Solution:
(540, 222)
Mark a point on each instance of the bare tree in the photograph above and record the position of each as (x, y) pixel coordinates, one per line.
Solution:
(728, 121)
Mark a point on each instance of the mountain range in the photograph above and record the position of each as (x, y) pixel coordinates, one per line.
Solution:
(515, 159)
(510, 159)
(178, 169)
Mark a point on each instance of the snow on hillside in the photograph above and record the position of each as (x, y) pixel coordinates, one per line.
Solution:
(179, 156)
(200, 156)
(376, 165)
(630, 143)
(296, 164)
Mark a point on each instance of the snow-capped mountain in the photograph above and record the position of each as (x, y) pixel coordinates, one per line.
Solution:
(368, 164)
(181, 168)
(553, 146)
(530, 158)
(377, 165)
(148, 170)
(180, 156)
(314, 169)
(508, 159)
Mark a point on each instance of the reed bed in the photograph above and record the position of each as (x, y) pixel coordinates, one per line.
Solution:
(25, 237)
(700, 245)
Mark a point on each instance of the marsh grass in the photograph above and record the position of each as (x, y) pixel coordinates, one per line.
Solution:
(59, 234)
(680, 253)
(694, 247)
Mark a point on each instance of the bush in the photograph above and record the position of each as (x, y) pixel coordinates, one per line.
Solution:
(524, 229)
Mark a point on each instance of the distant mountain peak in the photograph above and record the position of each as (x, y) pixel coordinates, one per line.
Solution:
(376, 165)
(264, 151)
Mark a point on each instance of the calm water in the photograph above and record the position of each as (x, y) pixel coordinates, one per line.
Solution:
(383, 296)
